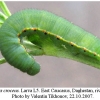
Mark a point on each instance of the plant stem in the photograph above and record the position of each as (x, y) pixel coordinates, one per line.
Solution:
(2, 60)
(4, 8)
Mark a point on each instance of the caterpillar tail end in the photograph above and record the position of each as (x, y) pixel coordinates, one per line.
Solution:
(34, 70)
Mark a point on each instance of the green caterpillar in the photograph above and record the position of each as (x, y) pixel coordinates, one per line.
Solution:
(37, 32)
